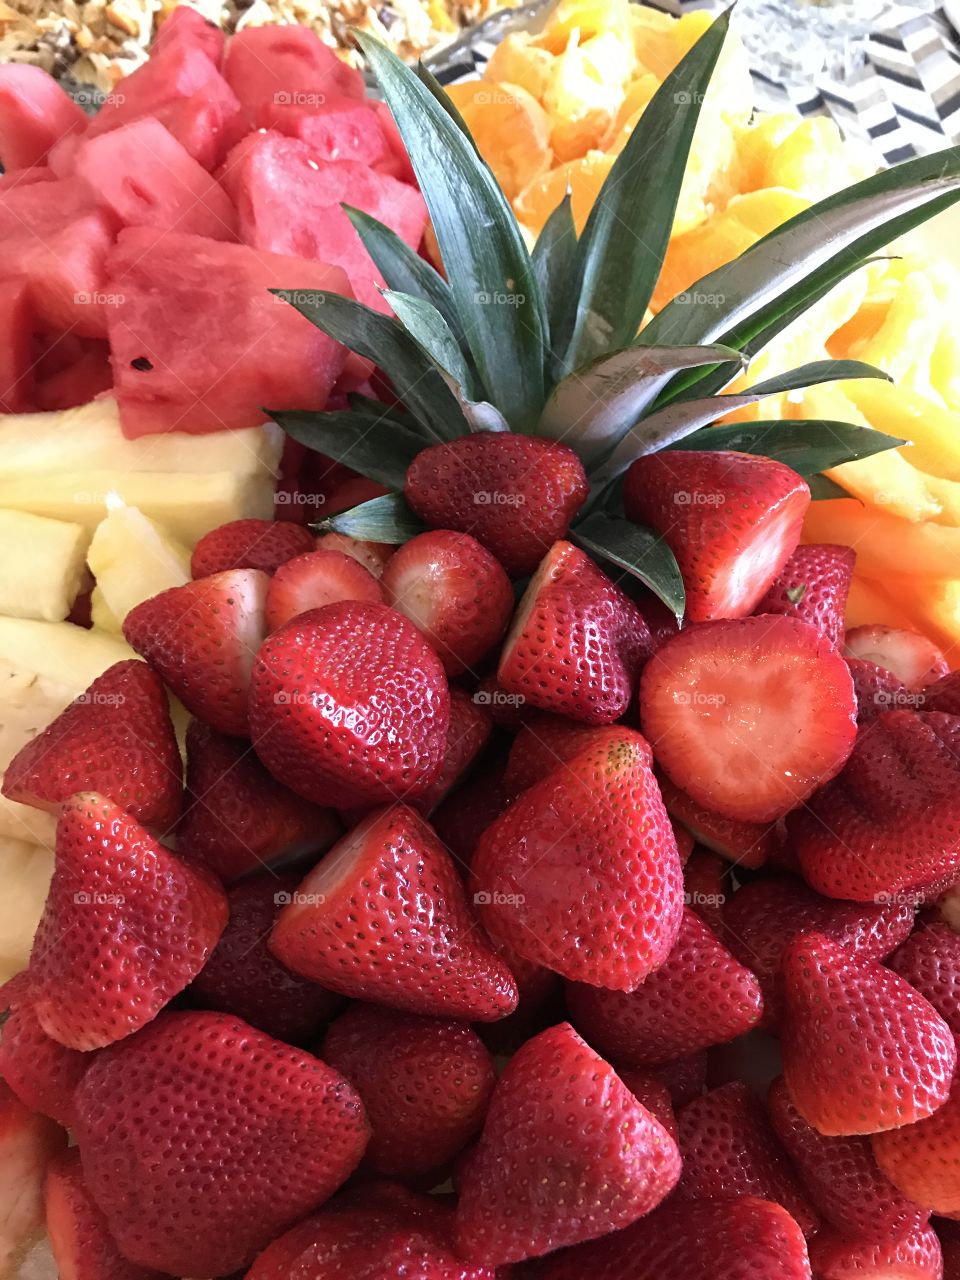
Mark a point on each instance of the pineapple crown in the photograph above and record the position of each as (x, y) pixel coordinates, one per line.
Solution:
(549, 341)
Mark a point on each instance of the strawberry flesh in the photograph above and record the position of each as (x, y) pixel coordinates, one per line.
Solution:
(915, 659)
(310, 581)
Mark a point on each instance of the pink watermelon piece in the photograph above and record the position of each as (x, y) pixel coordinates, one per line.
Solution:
(198, 342)
(82, 377)
(286, 66)
(288, 201)
(147, 179)
(34, 114)
(340, 129)
(398, 162)
(186, 28)
(17, 322)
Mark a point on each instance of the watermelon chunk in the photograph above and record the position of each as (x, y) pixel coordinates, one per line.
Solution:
(34, 114)
(198, 343)
(185, 27)
(286, 65)
(143, 174)
(340, 129)
(17, 321)
(287, 201)
(81, 373)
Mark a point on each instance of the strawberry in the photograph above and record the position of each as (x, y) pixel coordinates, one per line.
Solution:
(749, 717)
(543, 742)
(732, 520)
(729, 1148)
(384, 917)
(349, 706)
(706, 887)
(506, 709)
(425, 1084)
(28, 1142)
(879, 690)
(126, 926)
(463, 817)
(723, 1239)
(539, 1003)
(845, 1020)
(813, 587)
(917, 1256)
(468, 733)
(685, 1077)
(930, 961)
(577, 642)
(949, 1233)
(699, 996)
(923, 1159)
(886, 828)
(320, 577)
(40, 1071)
(516, 494)
(237, 818)
(80, 1239)
(116, 738)
(762, 918)
(547, 1171)
(684, 839)
(244, 978)
(910, 656)
(595, 827)
(745, 844)
(202, 1139)
(652, 1094)
(372, 555)
(202, 639)
(842, 1177)
(455, 591)
(249, 544)
(943, 695)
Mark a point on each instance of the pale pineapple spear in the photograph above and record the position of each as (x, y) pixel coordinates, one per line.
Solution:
(526, 391)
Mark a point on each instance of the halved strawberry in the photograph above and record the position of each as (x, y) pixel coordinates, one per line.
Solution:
(349, 706)
(203, 1139)
(249, 544)
(908, 654)
(468, 733)
(545, 1173)
(455, 591)
(923, 1158)
(813, 587)
(116, 738)
(42, 1072)
(749, 717)
(202, 638)
(930, 961)
(28, 1142)
(384, 917)
(745, 844)
(320, 577)
(732, 520)
(879, 690)
(916, 1256)
(577, 642)
(699, 996)
(126, 926)
(372, 555)
(845, 1020)
(581, 873)
(516, 494)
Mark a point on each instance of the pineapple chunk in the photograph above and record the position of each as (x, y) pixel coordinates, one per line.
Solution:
(25, 871)
(517, 60)
(70, 658)
(589, 18)
(132, 558)
(584, 92)
(583, 178)
(41, 565)
(934, 433)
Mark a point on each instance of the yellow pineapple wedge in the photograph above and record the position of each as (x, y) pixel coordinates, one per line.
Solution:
(41, 565)
(25, 871)
(132, 558)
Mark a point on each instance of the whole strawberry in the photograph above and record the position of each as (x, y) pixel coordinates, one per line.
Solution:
(813, 586)
(930, 961)
(249, 544)
(923, 1158)
(42, 1072)
(916, 1256)
(468, 732)
(516, 494)
(879, 690)
(349, 706)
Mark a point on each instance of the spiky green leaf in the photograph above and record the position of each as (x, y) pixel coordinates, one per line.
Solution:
(554, 261)
(379, 449)
(817, 372)
(432, 334)
(443, 100)
(640, 551)
(386, 519)
(823, 489)
(808, 445)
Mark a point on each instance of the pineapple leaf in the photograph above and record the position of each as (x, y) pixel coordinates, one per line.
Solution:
(594, 407)
(430, 81)
(481, 415)
(432, 334)
(377, 409)
(489, 269)
(386, 519)
(809, 445)
(554, 258)
(623, 245)
(816, 372)
(640, 551)
(822, 489)
(358, 440)
(380, 338)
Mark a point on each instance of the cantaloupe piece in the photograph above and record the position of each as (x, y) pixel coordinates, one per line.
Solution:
(132, 558)
(41, 565)
(511, 129)
(869, 603)
(884, 543)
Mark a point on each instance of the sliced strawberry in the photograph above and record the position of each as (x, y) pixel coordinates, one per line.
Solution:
(244, 978)
(879, 690)
(923, 1159)
(749, 717)
(581, 873)
(699, 996)
(116, 738)
(930, 961)
(943, 695)
(685, 1077)
(745, 844)
(577, 642)
(249, 544)
(372, 555)
(842, 1177)
(202, 638)
(706, 887)
(80, 1239)
(652, 1094)
(320, 577)
(455, 591)
(203, 1139)
(917, 1256)
(732, 520)
(40, 1071)
(349, 706)
(237, 818)
(425, 1084)
(516, 494)
(729, 1148)
(28, 1142)
(813, 587)
(912, 657)
(384, 917)
(468, 733)
(544, 1173)
(886, 829)
(845, 1020)
(463, 817)
(126, 926)
(765, 915)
